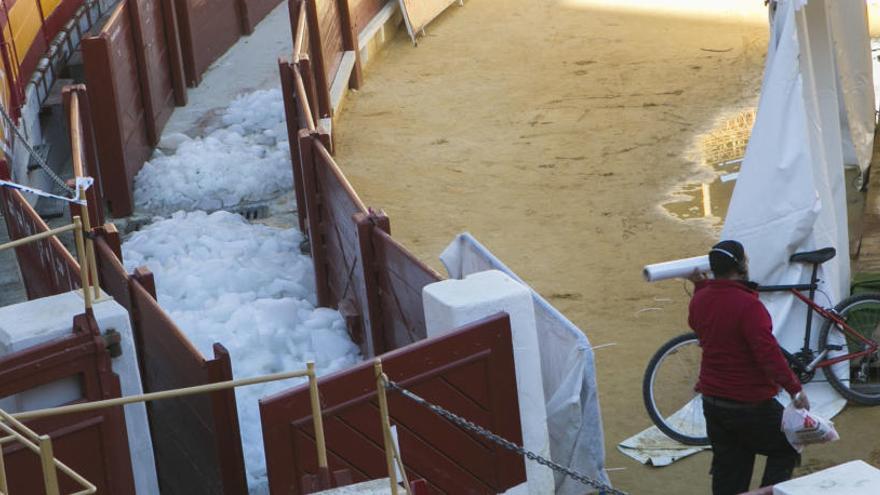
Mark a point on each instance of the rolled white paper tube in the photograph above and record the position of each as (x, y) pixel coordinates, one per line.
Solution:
(676, 268)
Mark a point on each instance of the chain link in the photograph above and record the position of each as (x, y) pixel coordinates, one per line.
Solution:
(39, 159)
(507, 444)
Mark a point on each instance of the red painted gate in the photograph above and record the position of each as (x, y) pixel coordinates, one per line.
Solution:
(92, 443)
(469, 372)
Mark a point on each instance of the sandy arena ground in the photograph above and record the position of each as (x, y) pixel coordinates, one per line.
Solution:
(554, 132)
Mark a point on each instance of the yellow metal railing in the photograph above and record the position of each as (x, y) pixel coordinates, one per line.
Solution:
(76, 148)
(392, 455)
(81, 223)
(45, 447)
(42, 446)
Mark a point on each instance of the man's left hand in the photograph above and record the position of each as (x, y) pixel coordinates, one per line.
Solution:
(697, 276)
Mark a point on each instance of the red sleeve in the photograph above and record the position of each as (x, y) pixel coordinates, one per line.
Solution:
(691, 310)
(758, 332)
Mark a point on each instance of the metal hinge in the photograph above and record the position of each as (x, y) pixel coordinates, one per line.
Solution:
(113, 342)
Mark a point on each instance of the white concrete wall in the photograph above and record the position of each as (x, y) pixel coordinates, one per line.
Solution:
(452, 303)
(34, 322)
(852, 478)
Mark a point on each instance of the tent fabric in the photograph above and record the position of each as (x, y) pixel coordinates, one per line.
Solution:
(789, 197)
(849, 27)
(568, 370)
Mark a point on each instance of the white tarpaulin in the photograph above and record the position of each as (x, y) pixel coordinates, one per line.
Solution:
(852, 52)
(567, 367)
(789, 195)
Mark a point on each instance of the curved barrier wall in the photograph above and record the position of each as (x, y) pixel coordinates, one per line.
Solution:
(360, 269)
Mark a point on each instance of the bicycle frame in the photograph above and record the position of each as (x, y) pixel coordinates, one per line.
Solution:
(871, 346)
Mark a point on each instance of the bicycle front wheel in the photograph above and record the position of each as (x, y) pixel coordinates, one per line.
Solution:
(857, 379)
(669, 390)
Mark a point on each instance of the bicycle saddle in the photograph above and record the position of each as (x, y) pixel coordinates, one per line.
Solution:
(815, 257)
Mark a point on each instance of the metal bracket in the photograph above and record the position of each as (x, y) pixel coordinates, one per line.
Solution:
(113, 341)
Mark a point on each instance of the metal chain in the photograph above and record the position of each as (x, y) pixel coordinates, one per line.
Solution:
(39, 159)
(507, 444)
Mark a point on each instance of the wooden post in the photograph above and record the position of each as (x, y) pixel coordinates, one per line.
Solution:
(111, 236)
(293, 10)
(308, 77)
(318, 424)
(313, 213)
(316, 49)
(227, 431)
(374, 334)
(386, 429)
(292, 120)
(350, 42)
(183, 9)
(244, 16)
(143, 276)
(325, 139)
(134, 18)
(175, 56)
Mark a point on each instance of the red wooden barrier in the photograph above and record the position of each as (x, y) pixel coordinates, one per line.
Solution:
(93, 443)
(197, 438)
(47, 268)
(469, 372)
(401, 278)
(207, 29)
(134, 64)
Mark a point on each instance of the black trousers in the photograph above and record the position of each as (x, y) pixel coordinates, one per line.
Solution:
(738, 432)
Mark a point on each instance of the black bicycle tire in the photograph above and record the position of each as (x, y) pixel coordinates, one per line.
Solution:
(864, 399)
(655, 416)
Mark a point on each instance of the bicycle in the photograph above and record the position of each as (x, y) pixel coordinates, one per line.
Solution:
(849, 334)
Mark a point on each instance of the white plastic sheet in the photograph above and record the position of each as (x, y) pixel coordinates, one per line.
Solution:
(789, 196)
(568, 369)
(852, 51)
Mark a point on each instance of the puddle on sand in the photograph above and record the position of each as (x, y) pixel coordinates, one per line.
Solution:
(706, 199)
(721, 149)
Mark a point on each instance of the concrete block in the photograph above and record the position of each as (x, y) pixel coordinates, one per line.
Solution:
(452, 303)
(851, 478)
(34, 322)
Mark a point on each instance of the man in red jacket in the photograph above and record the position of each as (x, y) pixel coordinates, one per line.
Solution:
(741, 372)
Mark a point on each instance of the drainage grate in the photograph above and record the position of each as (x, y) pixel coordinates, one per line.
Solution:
(252, 212)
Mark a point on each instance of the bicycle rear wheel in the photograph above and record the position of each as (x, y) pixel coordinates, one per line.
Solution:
(669, 391)
(857, 379)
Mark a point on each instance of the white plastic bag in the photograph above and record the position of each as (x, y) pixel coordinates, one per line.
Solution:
(801, 427)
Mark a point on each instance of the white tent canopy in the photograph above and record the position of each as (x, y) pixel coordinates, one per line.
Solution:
(815, 115)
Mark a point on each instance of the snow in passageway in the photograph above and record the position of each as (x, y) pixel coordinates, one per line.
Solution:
(243, 157)
(224, 279)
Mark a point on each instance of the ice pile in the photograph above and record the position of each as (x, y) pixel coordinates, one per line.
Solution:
(244, 157)
(222, 279)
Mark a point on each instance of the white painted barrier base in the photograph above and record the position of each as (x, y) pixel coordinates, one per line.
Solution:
(452, 303)
(34, 322)
(852, 478)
